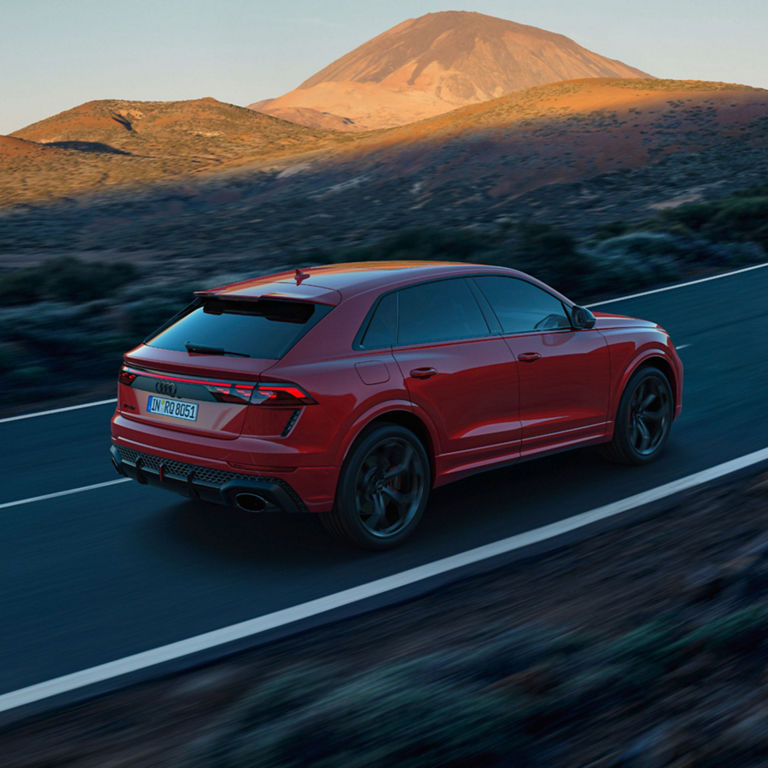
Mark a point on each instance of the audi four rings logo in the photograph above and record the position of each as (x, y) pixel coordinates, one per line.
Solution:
(165, 387)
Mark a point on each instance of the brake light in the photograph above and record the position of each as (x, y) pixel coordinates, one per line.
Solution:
(231, 393)
(127, 377)
(280, 394)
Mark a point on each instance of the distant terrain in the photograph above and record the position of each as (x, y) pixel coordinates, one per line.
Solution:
(479, 158)
(433, 64)
(113, 142)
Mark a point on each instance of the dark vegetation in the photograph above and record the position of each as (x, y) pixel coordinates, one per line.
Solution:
(66, 321)
(518, 698)
(64, 278)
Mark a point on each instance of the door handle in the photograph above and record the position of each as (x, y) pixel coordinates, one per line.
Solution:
(529, 357)
(423, 373)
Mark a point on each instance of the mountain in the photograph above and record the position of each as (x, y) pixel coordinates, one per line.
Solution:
(483, 156)
(433, 64)
(203, 128)
(113, 141)
(12, 147)
(464, 165)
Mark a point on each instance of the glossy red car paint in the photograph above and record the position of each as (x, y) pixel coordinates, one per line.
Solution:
(474, 403)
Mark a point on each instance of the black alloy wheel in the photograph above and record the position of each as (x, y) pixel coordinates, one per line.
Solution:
(643, 419)
(383, 488)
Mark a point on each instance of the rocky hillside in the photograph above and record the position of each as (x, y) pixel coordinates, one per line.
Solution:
(134, 142)
(434, 64)
(473, 161)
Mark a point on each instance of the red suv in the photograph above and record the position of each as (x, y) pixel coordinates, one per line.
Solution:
(352, 390)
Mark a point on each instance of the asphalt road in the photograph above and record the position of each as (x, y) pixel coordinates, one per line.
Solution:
(95, 576)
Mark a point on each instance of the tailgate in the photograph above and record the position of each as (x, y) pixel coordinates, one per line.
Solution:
(212, 406)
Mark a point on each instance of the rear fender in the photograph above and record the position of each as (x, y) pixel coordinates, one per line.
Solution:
(380, 413)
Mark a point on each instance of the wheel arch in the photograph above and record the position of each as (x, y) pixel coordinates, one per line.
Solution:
(403, 418)
(659, 362)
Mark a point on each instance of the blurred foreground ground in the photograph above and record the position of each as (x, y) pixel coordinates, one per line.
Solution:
(646, 646)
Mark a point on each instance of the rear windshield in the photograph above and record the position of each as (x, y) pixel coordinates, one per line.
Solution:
(266, 328)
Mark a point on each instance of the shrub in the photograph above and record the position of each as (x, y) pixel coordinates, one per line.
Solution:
(742, 631)
(64, 278)
(638, 259)
(423, 243)
(378, 719)
(740, 216)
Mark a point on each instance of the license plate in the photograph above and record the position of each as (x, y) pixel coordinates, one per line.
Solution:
(177, 409)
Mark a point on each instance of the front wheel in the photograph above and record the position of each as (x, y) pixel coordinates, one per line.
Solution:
(383, 489)
(643, 419)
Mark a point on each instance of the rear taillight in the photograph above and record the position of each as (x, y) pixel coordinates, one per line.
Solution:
(281, 394)
(127, 376)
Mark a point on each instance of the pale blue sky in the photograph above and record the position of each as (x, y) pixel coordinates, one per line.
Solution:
(55, 54)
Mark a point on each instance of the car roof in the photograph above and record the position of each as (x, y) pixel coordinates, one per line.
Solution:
(329, 283)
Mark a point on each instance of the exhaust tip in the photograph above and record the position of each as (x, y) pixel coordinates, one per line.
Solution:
(250, 502)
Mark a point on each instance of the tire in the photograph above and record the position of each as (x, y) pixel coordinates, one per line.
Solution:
(383, 489)
(643, 419)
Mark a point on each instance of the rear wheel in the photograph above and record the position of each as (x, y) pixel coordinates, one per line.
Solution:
(643, 419)
(383, 489)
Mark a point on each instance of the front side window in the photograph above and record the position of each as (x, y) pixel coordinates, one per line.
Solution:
(521, 306)
(444, 310)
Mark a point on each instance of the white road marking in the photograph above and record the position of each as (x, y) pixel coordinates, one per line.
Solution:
(679, 285)
(252, 627)
(57, 410)
(682, 346)
(69, 492)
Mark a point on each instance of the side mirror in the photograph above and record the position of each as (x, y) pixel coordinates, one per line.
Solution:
(582, 318)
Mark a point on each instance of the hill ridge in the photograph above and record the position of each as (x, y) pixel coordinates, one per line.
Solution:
(435, 63)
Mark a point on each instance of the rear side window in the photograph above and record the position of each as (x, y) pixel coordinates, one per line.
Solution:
(263, 329)
(383, 325)
(522, 306)
(444, 310)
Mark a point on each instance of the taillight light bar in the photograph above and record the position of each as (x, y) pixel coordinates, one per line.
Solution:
(224, 391)
(282, 394)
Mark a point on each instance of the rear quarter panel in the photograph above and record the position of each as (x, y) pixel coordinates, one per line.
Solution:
(352, 387)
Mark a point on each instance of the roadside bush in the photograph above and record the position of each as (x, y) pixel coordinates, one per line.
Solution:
(512, 699)
(377, 719)
(637, 260)
(64, 278)
(423, 243)
(739, 217)
(742, 631)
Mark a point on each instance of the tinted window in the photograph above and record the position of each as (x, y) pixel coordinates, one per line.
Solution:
(521, 306)
(264, 329)
(439, 311)
(381, 329)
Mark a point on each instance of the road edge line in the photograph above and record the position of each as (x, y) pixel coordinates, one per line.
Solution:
(252, 627)
(68, 492)
(57, 410)
(678, 285)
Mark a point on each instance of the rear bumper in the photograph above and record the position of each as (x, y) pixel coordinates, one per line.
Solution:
(245, 459)
(199, 482)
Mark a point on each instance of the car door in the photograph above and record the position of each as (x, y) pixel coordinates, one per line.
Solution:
(463, 377)
(564, 373)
